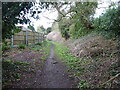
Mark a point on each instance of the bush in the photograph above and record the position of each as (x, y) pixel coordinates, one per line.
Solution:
(39, 43)
(4, 48)
(83, 84)
(11, 70)
(108, 23)
(8, 70)
(43, 43)
(22, 46)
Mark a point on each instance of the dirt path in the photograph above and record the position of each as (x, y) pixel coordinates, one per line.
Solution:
(54, 73)
(49, 74)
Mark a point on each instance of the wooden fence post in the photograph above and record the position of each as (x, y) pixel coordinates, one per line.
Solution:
(43, 36)
(26, 38)
(34, 37)
(12, 40)
(24, 34)
(38, 37)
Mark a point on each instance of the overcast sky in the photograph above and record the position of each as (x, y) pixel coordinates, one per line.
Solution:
(53, 15)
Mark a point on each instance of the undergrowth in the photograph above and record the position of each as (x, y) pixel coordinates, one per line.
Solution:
(42, 46)
(11, 70)
(5, 47)
(87, 67)
(21, 46)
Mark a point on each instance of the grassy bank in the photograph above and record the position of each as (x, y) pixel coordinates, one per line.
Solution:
(91, 72)
(74, 64)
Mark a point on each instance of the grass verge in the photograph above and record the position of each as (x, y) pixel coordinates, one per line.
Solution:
(90, 71)
(74, 64)
(44, 47)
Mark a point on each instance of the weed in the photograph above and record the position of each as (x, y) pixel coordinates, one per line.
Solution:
(45, 46)
(4, 55)
(33, 71)
(21, 63)
(21, 46)
(83, 84)
(11, 70)
(39, 43)
(4, 48)
(74, 64)
(114, 69)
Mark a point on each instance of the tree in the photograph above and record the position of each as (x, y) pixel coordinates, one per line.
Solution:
(31, 28)
(41, 29)
(13, 13)
(109, 23)
(49, 29)
(80, 15)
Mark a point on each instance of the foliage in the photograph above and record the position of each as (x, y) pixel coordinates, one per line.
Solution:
(80, 20)
(5, 43)
(73, 63)
(39, 43)
(41, 29)
(84, 12)
(10, 70)
(21, 46)
(5, 47)
(10, 13)
(31, 28)
(49, 29)
(43, 43)
(65, 33)
(15, 12)
(83, 84)
(45, 47)
(114, 69)
(108, 23)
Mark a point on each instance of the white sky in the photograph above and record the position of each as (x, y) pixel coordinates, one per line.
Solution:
(102, 6)
(53, 15)
(44, 18)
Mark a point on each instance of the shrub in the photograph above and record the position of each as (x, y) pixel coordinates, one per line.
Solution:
(22, 46)
(4, 48)
(108, 23)
(83, 84)
(8, 70)
(11, 70)
(39, 43)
